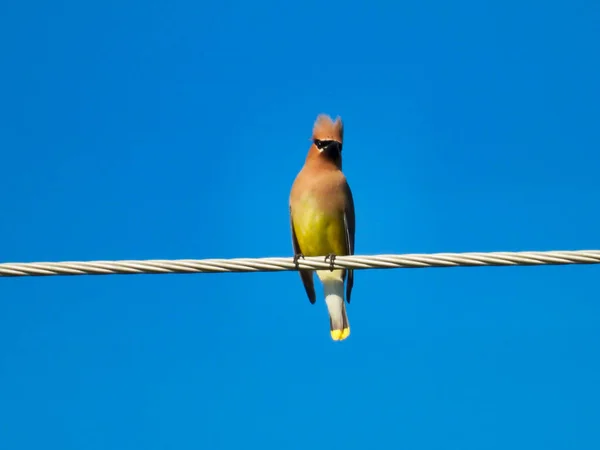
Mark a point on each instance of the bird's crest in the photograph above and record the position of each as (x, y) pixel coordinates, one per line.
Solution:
(326, 129)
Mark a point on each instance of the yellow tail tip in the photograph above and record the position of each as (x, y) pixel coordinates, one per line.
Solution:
(340, 335)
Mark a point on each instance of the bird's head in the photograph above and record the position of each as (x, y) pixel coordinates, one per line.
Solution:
(327, 139)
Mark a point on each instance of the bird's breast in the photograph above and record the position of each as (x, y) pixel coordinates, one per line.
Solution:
(319, 225)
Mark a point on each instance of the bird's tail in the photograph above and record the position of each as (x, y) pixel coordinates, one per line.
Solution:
(338, 319)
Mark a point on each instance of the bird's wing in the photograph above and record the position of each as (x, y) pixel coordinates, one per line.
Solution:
(305, 275)
(349, 224)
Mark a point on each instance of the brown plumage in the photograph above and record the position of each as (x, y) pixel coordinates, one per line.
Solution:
(322, 218)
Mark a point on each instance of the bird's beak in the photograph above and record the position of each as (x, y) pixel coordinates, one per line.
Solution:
(333, 150)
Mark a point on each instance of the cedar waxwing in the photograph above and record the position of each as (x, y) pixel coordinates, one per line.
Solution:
(322, 219)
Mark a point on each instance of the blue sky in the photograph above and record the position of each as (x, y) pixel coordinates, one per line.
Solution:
(134, 130)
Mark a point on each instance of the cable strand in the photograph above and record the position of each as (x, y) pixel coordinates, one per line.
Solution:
(278, 264)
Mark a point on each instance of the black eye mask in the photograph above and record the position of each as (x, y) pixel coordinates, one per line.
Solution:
(325, 145)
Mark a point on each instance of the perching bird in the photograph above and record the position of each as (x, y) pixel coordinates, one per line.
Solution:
(322, 219)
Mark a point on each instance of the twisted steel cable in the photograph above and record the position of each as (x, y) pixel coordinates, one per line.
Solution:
(405, 261)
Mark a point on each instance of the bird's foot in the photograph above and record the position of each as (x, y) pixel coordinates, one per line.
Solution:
(331, 257)
(297, 256)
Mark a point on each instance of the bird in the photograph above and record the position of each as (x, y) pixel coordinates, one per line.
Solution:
(321, 209)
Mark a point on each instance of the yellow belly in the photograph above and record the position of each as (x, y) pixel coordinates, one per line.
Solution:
(319, 233)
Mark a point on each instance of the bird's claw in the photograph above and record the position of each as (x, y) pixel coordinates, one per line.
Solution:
(297, 256)
(331, 257)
